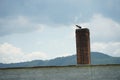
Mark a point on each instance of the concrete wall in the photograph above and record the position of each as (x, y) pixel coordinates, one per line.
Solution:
(85, 72)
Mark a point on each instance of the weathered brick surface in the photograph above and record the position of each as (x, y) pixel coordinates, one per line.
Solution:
(83, 46)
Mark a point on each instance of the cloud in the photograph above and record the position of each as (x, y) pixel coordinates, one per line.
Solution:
(110, 48)
(12, 54)
(103, 28)
(60, 12)
(19, 24)
(104, 33)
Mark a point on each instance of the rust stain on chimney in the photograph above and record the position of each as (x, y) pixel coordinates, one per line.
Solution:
(83, 46)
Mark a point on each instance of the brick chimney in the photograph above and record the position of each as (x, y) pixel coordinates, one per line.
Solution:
(83, 46)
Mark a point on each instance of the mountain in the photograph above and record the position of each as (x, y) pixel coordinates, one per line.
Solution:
(100, 58)
(96, 58)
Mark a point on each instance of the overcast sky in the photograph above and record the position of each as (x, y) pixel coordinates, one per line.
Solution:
(45, 29)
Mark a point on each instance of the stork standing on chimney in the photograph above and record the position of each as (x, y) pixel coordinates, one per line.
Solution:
(78, 26)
